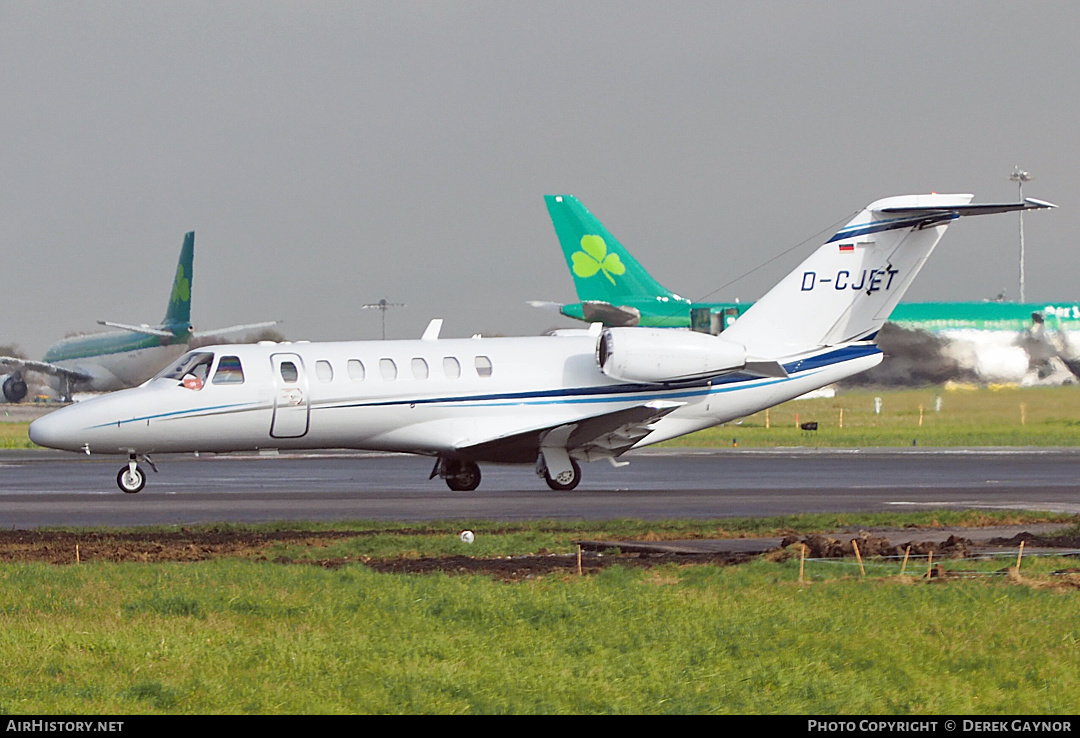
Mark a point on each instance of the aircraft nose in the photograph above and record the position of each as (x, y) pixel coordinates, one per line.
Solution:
(53, 431)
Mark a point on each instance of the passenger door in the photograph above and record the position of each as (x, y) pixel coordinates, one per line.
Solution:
(291, 400)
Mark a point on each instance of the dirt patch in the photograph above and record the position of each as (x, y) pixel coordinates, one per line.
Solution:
(828, 547)
(61, 547)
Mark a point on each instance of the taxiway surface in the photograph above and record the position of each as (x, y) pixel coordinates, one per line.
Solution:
(39, 489)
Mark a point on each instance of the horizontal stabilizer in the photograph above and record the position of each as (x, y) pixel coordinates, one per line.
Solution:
(145, 329)
(555, 307)
(596, 311)
(1029, 203)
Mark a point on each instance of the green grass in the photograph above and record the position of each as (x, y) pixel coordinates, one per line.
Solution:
(935, 416)
(14, 435)
(245, 636)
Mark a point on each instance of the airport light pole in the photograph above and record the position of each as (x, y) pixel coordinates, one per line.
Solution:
(382, 305)
(1020, 176)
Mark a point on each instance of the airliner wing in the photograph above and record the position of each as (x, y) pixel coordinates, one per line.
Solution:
(601, 436)
(234, 329)
(44, 368)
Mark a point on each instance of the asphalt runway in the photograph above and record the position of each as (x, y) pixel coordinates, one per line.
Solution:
(42, 489)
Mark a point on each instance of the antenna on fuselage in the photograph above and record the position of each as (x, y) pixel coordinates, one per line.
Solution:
(382, 305)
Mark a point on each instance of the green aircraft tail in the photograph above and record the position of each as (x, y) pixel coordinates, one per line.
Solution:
(603, 270)
(179, 310)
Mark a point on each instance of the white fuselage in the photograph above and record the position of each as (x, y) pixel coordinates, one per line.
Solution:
(444, 397)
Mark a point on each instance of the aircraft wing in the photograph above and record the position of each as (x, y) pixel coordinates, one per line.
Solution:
(233, 329)
(44, 368)
(598, 437)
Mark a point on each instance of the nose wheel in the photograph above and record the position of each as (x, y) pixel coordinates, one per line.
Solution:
(131, 478)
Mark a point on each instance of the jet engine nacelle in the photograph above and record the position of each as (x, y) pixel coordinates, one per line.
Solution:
(660, 355)
(15, 387)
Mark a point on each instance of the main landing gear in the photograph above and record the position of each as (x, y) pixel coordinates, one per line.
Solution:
(460, 476)
(562, 482)
(464, 476)
(131, 478)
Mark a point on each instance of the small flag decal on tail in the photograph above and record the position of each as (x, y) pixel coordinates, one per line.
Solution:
(847, 247)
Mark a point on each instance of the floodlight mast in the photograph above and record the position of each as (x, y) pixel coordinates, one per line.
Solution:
(382, 306)
(1020, 176)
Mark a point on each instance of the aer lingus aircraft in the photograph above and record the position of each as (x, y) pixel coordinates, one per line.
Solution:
(103, 362)
(552, 401)
(994, 340)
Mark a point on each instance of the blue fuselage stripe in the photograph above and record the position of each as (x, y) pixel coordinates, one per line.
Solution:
(566, 396)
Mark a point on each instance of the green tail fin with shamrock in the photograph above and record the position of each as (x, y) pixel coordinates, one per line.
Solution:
(179, 310)
(602, 269)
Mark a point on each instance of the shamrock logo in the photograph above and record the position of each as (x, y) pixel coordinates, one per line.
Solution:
(181, 286)
(594, 258)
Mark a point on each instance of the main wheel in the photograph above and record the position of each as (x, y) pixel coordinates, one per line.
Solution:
(465, 477)
(567, 480)
(130, 481)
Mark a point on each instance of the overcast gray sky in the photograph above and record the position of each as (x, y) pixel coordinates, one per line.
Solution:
(328, 154)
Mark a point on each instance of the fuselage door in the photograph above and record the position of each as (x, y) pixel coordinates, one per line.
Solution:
(291, 400)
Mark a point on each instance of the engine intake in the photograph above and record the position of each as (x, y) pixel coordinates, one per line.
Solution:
(662, 355)
(15, 388)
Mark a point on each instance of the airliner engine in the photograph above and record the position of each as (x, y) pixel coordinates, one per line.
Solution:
(662, 355)
(14, 387)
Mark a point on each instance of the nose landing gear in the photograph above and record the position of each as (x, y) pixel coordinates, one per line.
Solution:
(131, 478)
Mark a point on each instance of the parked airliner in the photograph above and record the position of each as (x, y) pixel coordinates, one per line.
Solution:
(553, 401)
(103, 362)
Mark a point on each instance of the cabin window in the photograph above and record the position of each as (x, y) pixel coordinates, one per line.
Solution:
(483, 366)
(451, 367)
(419, 368)
(229, 371)
(388, 369)
(289, 372)
(356, 370)
(324, 371)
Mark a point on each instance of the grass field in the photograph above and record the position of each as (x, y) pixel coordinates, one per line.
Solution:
(251, 636)
(936, 416)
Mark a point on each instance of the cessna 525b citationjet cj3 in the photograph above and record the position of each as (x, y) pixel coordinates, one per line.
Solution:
(552, 401)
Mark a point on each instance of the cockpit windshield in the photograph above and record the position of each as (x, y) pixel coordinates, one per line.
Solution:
(192, 369)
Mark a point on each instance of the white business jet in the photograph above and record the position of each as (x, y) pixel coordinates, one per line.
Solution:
(552, 401)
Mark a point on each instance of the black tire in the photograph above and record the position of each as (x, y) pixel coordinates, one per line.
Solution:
(130, 483)
(466, 478)
(564, 487)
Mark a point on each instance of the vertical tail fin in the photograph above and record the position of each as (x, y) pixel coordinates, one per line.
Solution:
(602, 269)
(846, 289)
(179, 310)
